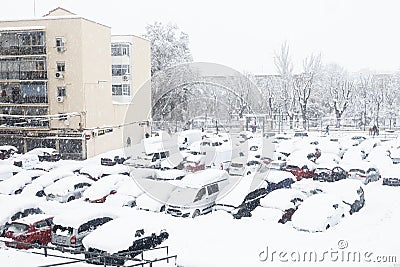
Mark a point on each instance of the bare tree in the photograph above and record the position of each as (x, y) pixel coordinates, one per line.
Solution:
(305, 82)
(340, 89)
(284, 66)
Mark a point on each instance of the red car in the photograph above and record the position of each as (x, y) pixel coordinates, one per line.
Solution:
(34, 229)
(303, 172)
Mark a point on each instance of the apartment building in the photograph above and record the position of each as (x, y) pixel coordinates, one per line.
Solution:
(61, 87)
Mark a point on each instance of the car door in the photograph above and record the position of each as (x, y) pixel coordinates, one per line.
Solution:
(42, 232)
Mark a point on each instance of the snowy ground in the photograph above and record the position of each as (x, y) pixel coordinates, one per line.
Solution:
(370, 237)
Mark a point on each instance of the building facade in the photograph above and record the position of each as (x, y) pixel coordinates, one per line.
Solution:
(56, 77)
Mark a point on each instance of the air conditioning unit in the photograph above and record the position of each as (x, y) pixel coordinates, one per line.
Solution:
(59, 75)
(60, 99)
(125, 78)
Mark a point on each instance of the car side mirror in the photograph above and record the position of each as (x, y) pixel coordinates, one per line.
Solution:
(112, 192)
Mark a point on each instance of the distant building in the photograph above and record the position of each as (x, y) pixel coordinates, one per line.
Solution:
(66, 83)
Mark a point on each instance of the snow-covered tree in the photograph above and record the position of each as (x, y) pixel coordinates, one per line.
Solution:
(305, 82)
(340, 87)
(169, 46)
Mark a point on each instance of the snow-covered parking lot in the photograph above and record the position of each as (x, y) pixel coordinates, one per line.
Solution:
(368, 237)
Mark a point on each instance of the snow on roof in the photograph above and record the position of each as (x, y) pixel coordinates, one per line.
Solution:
(49, 177)
(95, 171)
(276, 176)
(169, 174)
(33, 218)
(25, 28)
(392, 172)
(116, 169)
(9, 168)
(8, 147)
(123, 231)
(46, 165)
(18, 181)
(103, 186)
(80, 215)
(238, 188)
(346, 189)
(201, 178)
(9, 205)
(282, 198)
(41, 150)
(65, 185)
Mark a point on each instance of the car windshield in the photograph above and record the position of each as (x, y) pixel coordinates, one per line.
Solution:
(292, 167)
(237, 165)
(62, 229)
(18, 228)
(357, 170)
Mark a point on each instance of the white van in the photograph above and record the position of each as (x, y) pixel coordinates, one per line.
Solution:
(196, 193)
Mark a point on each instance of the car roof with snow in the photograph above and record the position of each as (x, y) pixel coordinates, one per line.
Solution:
(19, 180)
(65, 185)
(33, 218)
(8, 147)
(124, 233)
(80, 215)
(8, 168)
(9, 205)
(201, 178)
(276, 176)
(104, 185)
(282, 198)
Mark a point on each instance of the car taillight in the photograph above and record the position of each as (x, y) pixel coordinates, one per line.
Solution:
(73, 240)
(349, 174)
(362, 176)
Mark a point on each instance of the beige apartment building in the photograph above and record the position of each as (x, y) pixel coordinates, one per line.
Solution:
(67, 83)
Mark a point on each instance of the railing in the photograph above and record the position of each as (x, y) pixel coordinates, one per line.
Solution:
(24, 75)
(125, 256)
(23, 50)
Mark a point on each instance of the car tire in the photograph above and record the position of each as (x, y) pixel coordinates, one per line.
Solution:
(196, 213)
(70, 198)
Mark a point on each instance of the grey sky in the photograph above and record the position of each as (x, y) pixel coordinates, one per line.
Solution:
(244, 34)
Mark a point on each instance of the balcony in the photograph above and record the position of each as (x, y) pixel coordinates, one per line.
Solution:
(24, 75)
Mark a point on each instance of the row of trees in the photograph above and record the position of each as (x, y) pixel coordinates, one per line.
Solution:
(320, 90)
(315, 92)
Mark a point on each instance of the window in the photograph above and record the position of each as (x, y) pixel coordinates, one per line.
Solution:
(212, 189)
(61, 66)
(61, 91)
(200, 194)
(126, 89)
(121, 89)
(60, 44)
(119, 70)
(41, 224)
(120, 49)
(62, 117)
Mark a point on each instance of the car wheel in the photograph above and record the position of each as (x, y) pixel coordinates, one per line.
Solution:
(70, 198)
(196, 213)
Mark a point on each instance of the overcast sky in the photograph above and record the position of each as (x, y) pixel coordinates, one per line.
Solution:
(356, 34)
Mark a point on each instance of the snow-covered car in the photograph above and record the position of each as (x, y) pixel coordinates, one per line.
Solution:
(68, 188)
(196, 193)
(329, 173)
(7, 171)
(19, 181)
(95, 172)
(130, 238)
(363, 171)
(46, 154)
(274, 165)
(6, 151)
(391, 176)
(308, 187)
(15, 207)
(350, 191)
(318, 213)
(126, 194)
(33, 229)
(278, 179)
(194, 163)
(286, 200)
(26, 161)
(69, 228)
(36, 188)
(301, 168)
(242, 195)
(106, 186)
(156, 195)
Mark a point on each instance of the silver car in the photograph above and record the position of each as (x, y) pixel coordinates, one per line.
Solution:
(68, 188)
